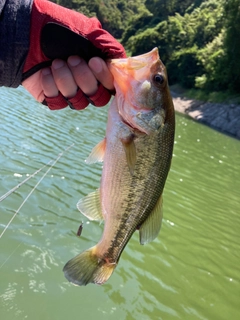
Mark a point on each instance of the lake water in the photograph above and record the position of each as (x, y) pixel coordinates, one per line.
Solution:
(191, 271)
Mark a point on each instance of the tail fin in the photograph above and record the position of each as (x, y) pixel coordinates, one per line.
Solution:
(87, 267)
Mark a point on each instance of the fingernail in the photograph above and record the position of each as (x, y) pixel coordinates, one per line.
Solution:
(73, 61)
(57, 64)
(46, 71)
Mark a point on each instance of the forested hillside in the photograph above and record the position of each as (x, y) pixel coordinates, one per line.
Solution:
(198, 40)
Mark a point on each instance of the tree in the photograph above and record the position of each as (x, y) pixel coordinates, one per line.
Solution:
(232, 45)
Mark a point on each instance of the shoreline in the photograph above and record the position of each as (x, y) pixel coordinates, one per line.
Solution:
(219, 116)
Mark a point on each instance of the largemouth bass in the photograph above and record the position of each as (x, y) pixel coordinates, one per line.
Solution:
(137, 154)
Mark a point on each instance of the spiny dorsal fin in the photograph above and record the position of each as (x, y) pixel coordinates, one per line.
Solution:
(97, 153)
(90, 206)
(130, 151)
(152, 225)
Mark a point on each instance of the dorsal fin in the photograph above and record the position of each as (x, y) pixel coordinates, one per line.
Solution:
(90, 206)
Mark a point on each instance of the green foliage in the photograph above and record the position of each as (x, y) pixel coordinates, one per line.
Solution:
(146, 40)
(212, 96)
(210, 56)
(137, 24)
(231, 45)
(221, 57)
(184, 66)
(114, 15)
(166, 8)
(198, 40)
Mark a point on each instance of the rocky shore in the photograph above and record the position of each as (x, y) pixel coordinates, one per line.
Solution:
(223, 117)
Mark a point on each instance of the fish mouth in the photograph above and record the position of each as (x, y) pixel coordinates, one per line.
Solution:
(131, 67)
(137, 62)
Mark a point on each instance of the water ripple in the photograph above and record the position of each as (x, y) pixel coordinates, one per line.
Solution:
(189, 272)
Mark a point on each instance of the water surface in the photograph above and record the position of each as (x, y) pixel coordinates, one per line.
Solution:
(191, 271)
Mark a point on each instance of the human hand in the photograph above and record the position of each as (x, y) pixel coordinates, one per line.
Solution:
(73, 83)
(59, 35)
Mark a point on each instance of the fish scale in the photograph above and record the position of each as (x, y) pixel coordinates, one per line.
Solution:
(137, 157)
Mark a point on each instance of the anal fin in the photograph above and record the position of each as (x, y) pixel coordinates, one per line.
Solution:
(150, 228)
(90, 206)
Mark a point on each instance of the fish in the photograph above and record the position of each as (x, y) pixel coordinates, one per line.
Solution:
(136, 154)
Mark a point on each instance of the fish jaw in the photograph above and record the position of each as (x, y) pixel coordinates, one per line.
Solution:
(132, 67)
(140, 96)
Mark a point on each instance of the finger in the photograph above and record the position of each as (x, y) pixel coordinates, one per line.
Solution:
(48, 84)
(52, 96)
(101, 72)
(63, 78)
(83, 75)
(101, 97)
(55, 103)
(34, 86)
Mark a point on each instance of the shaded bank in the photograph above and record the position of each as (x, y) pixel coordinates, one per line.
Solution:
(223, 117)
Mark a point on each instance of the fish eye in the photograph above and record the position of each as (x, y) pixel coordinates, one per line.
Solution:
(159, 79)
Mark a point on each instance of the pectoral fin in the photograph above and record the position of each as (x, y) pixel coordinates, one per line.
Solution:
(152, 225)
(90, 206)
(97, 153)
(130, 150)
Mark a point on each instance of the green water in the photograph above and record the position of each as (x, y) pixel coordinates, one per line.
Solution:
(192, 271)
